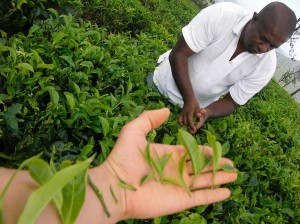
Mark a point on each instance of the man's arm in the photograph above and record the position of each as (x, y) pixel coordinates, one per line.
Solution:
(220, 108)
(179, 65)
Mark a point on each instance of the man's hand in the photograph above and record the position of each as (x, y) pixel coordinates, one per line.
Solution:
(186, 116)
(203, 116)
(154, 199)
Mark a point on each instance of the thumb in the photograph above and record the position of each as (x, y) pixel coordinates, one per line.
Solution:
(147, 121)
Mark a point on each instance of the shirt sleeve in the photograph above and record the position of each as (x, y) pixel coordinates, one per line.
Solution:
(202, 29)
(247, 87)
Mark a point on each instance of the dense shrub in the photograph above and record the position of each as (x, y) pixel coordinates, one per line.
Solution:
(18, 16)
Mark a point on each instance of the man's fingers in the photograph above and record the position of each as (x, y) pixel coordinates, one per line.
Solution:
(180, 120)
(209, 196)
(147, 121)
(201, 197)
(206, 180)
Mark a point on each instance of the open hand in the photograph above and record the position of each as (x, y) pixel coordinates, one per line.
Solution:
(154, 198)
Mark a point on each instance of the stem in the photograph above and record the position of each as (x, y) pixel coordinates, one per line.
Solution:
(99, 195)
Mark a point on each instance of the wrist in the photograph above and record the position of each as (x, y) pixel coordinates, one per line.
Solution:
(110, 209)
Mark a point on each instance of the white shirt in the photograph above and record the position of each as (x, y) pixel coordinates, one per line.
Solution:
(213, 35)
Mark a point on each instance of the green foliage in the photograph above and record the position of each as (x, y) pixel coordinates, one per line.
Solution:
(69, 81)
(18, 15)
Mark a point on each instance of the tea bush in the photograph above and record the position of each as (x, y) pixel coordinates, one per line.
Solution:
(68, 87)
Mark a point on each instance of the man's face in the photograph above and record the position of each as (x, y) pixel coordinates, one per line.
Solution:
(261, 37)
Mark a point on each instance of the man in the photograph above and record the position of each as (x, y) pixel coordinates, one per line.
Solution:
(224, 51)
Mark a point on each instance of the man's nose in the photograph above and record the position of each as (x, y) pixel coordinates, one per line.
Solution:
(264, 47)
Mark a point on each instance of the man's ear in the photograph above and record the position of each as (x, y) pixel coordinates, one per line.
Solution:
(255, 16)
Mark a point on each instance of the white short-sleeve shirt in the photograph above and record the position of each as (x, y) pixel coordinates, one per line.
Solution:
(213, 35)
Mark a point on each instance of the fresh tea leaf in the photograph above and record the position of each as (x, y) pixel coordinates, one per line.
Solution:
(73, 197)
(41, 172)
(228, 168)
(125, 185)
(192, 148)
(217, 151)
(39, 199)
(2, 195)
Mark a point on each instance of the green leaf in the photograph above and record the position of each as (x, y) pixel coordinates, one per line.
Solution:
(225, 148)
(41, 172)
(85, 152)
(69, 60)
(33, 29)
(10, 116)
(53, 94)
(217, 151)
(47, 66)
(125, 185)
(11, 91)
(170, 180)
(70, 99)
(105, 125)
(144, 179)
(192, 148)
(57, 38)
(75, 88)
(147, 153)
(113, 194)
(19, 3)
(54, 12)
(182, 164)
(104, 149)
(25, 66)
(228, 168)
(39, 199)
(87, 64)
(2, 195)
(73, 197)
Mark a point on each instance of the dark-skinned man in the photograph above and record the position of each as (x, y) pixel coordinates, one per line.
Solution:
(224, 51)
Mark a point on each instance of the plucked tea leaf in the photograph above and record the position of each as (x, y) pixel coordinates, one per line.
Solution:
(217, 151)
(73, 197)
(170, 180)
(113, 194)
(144, 179)
(41, 172)
(228, 168)
(125, 185)
(191, 146)
(2, 195)
(182, 164)
(39, 199)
